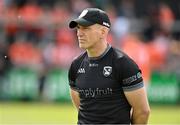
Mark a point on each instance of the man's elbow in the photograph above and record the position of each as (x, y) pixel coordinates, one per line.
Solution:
(141, 116)
(146, 112)
(143, 113)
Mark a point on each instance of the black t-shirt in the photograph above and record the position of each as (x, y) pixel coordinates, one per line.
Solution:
(101, 83)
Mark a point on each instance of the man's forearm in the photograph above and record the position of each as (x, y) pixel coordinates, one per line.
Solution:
(75, 99)
(76, 104)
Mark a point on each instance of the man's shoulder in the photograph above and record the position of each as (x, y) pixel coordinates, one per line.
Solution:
(118, 54)
(79, 58)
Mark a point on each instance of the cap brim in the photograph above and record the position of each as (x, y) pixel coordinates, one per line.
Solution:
(79, 21)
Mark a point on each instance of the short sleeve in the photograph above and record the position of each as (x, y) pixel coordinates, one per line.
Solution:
(72, 76)
(131, 76)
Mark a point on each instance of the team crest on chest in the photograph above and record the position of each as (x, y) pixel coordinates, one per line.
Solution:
(107, 70)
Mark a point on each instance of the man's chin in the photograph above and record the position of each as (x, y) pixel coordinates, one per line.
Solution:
(82, 47)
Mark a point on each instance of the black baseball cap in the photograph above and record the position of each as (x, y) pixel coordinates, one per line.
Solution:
(91, 16)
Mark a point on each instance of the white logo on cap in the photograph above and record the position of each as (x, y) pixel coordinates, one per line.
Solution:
(83, 13)
(106, 24)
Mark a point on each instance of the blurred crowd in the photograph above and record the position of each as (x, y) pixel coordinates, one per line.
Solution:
(35, 33)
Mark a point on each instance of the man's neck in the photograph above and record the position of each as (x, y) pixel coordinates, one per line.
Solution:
(97, 50)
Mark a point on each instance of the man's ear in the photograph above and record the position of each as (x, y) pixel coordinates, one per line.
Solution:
(104, 31)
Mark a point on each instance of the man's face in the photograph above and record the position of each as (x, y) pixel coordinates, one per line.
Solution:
(88, 36)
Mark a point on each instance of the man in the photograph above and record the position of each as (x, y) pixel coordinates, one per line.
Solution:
(106, 85)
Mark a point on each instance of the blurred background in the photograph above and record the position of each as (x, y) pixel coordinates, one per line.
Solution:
(37, 47)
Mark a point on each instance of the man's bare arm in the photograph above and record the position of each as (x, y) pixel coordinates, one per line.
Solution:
(140, 106)
(75, 98)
